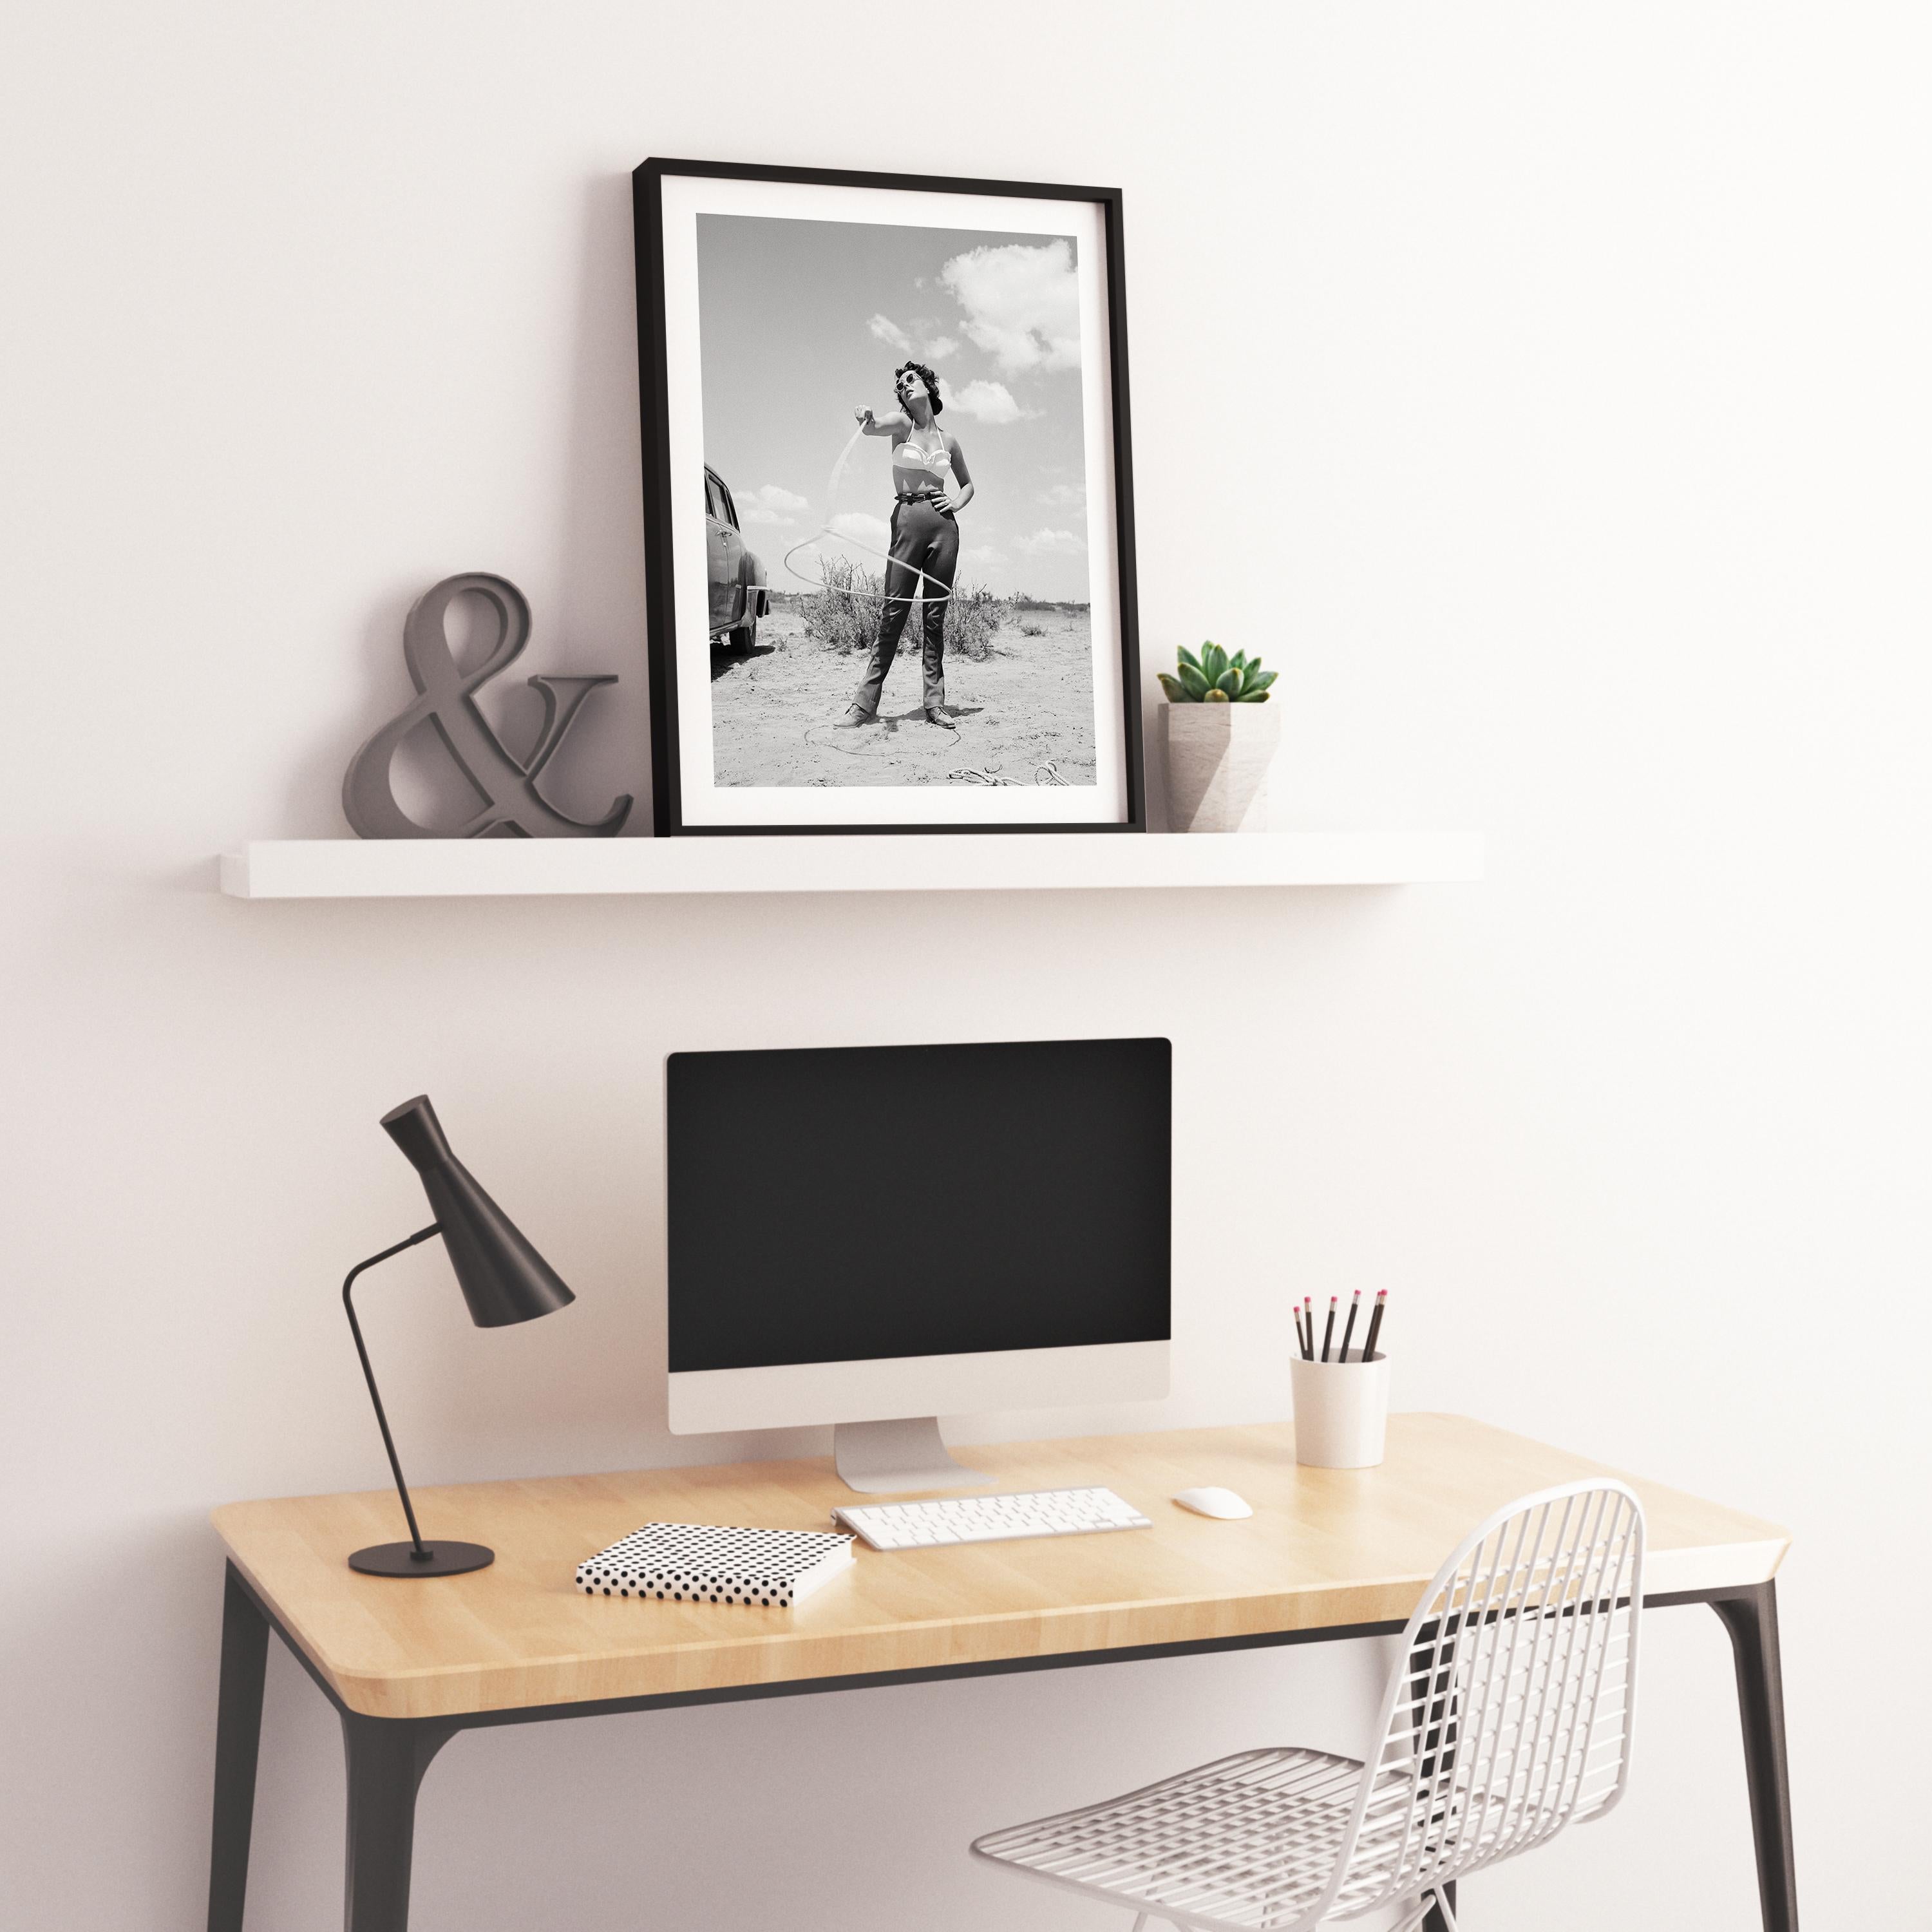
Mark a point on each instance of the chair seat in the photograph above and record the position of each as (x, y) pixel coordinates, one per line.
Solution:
(1249, 1844)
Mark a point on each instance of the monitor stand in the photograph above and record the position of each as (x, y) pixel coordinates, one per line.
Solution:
(879, 1458)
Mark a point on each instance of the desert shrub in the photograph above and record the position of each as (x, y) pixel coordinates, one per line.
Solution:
(972, 619)
(1033, 630)
(844, 616)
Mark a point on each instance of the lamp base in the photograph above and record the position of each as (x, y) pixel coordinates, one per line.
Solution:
(400, 1559)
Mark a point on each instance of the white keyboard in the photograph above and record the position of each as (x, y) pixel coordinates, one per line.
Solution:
(989, 1518)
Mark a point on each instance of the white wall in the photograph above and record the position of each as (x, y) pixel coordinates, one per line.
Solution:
(1545, 388)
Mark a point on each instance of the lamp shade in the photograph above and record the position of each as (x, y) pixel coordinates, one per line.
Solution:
(503, 1279)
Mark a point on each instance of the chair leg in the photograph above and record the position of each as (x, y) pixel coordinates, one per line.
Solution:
(1419, 1909)
(1442, 1909)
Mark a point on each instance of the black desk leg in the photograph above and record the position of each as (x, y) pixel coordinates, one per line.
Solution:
(238, 1742)
(1751, 1618)
(1438, 1721)
(387, 1759)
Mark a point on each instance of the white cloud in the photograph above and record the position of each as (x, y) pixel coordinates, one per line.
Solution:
(1022, 304)
(1051, 543)
(985, 566)
(933, 346)
(770, 505)
(862, 529)
(984, 402)
(1065, 497)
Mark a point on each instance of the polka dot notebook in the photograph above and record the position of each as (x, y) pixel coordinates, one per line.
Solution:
(707, 1563)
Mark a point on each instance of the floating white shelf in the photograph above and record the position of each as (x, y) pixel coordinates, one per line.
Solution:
(340, 869)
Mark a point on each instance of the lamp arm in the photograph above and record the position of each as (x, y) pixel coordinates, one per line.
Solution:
(369, 1375)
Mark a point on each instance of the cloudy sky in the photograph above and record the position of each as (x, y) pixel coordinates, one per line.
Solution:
(802, 321)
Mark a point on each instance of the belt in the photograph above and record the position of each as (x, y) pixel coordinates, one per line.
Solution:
(924, 497)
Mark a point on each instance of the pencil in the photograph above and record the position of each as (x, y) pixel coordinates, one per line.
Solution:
(1354, 1308)
(1308, 1316)
(1328, 1332)
(1301, 1340)
(1374, 1326)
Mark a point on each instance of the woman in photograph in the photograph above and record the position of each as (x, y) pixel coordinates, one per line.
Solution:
(926, 463)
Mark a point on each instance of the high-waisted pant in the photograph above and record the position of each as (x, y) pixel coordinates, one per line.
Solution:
(926, 552)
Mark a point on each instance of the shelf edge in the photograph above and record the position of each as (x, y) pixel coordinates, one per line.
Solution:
(349, 868)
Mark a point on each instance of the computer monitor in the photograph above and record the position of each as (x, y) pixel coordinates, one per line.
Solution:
(875, 1236)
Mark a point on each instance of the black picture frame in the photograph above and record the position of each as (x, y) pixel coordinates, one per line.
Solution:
(654, 378)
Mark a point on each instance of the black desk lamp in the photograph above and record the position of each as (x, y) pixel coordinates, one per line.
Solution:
(503, 1279)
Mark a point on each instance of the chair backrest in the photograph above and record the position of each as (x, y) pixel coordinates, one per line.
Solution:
(1509, 1714)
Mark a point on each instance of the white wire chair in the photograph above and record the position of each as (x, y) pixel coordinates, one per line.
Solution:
(1508, 1718)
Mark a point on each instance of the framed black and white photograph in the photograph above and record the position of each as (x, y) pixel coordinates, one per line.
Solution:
(904, 601)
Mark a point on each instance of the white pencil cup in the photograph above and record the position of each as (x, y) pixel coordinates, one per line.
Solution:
(1341, 1411)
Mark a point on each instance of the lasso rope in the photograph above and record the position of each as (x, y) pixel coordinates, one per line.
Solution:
(993, 774)
(820, 583)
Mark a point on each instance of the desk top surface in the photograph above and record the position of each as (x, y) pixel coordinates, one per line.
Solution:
(1325, 1549)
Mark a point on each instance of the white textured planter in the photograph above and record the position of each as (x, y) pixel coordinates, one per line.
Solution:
(1217, 765)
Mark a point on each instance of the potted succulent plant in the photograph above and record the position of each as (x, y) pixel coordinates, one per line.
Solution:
(1220, 741)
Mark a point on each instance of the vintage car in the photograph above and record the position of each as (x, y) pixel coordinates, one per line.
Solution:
(738, 596)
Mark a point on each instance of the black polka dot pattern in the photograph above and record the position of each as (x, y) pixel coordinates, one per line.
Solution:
(709, 1563)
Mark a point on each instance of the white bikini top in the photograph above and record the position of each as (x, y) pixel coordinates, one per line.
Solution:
(910, 455)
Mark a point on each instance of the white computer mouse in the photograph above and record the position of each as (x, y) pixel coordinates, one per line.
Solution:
(1223, 1503)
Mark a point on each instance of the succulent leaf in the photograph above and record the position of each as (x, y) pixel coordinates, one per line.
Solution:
(1214, 677)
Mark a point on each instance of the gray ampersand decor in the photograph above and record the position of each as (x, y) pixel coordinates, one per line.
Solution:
(507, 784)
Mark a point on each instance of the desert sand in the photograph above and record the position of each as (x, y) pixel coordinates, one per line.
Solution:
(1023, 716)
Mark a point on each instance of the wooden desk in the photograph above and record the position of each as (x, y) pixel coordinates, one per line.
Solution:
(1327, 1554)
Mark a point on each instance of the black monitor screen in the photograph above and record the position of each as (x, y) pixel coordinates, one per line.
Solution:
(857, 1203)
